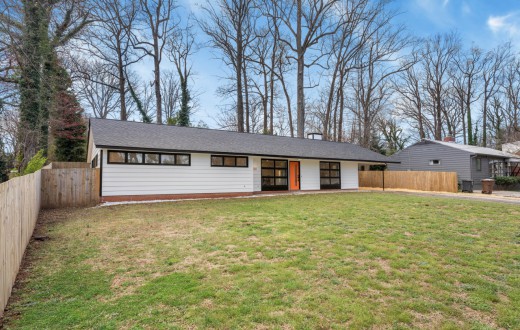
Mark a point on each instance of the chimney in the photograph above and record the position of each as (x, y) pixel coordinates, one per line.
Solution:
(449, 139)
(315, 136)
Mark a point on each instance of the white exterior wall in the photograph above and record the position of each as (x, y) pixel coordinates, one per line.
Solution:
(200, 177)
(349, 175)
(309, 174)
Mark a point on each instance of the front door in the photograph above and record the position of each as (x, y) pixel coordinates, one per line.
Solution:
(294, 174)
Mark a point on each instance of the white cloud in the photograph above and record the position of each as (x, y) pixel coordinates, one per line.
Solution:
(508, 24)
(465, 8)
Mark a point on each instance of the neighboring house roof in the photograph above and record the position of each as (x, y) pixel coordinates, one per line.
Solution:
(108, 133)
(474, 150)
(512, 148)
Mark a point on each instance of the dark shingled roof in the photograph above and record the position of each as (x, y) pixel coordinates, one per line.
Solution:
(108, 133)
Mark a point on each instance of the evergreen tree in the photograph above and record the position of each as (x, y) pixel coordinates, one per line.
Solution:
(69, 129)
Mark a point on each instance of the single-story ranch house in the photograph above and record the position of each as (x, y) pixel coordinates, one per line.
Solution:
(141, 161)
(471, 163)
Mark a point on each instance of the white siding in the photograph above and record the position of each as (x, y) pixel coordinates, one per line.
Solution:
(200, 177)
(349, 175)
(257, 173)
(309, 174)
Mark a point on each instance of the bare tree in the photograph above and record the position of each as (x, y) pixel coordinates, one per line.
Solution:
(470, 65)
(101, 98)
(492, 75)
(108, 40)
(230, 26)
(171, 95)
(437, 58)
(307, 22)
(156, 25)
(181, 47)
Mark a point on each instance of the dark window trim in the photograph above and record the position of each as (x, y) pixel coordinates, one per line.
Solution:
(331, 186)
(434, 162)
(228, 156)
(144, 158)
(274, 168)
(94, 163)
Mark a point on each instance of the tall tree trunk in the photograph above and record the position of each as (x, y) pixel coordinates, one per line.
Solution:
(246, 93)
(157, 82)
(300, 119)
(240, 97)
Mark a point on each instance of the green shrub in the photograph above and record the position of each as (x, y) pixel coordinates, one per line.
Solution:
(507, 180)
(35, 164)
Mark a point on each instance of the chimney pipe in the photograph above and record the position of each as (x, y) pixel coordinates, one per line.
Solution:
(315, 136)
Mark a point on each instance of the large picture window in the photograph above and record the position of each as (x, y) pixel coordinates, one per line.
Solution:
(330, 175)
(274, 174)
(148, 158)
(228, 161)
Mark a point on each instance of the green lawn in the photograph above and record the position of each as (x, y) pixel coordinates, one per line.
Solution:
(351, 260)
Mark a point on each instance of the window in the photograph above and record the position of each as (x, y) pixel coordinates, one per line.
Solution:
(152, 159)
(229, 161)
(330, 175)
(94, 163)
(116, 157)
(435, 162)
(274, 174)
(148, 158)
(478, 164)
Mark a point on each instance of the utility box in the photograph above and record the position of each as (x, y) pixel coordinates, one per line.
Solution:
(487, 186)
(467, 186)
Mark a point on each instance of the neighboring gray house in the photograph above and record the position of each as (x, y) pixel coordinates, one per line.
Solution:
(470, 162)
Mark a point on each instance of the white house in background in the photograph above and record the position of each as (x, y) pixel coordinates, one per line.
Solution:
(141, 161)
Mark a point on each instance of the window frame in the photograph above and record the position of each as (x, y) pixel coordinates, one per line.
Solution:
(431, 162)
(478, 164)
(143, 160)
(330, 186)
(274, 187)
(95, 162)
(222, 157)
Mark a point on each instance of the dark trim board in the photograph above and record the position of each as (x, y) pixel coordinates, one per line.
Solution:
(234, 154)
(101, 175)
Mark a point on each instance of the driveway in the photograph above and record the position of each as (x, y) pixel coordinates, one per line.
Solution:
(510, 197)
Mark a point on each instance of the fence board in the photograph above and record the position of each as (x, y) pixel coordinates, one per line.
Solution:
(20, 200)
(63, 165)
(70, 187)
(412, 180)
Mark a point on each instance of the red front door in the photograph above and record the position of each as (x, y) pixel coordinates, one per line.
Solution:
(294, 175)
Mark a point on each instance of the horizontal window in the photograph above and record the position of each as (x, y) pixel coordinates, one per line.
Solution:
(435, 162)
(148, 158)
(229, 161)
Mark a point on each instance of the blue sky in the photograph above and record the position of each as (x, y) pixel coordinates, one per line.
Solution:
(486, 23)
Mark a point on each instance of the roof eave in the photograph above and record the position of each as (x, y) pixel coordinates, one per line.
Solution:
(245, 154)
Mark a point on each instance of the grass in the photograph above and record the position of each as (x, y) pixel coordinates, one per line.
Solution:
(356, 260)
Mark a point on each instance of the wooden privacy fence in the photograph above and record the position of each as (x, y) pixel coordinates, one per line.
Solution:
(19, 207)
(412, 180)
(70, 187)
(62, 165)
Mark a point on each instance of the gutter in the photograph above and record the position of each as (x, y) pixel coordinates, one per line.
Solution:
(236, 153)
